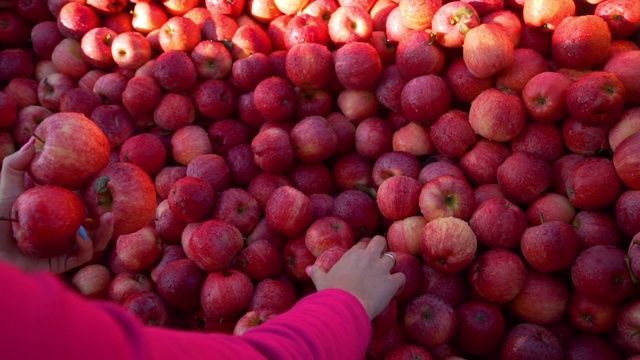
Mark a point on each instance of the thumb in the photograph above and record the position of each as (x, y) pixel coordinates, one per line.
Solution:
(13, 167)
(316, 274)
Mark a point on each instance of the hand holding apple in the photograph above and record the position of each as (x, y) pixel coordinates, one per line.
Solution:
(11, 187)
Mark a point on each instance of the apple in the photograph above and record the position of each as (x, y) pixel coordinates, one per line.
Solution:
(288, 211)
(277, 294)
(349, 24)
(212, 256)
(357, 66)
(481, 327)
(174, 71)
(596, 228)
(240, 159)
(237, 207)
(510, 23)
(607, 97)
(593, 184)
(487, 50)
(601, 273)
(497, 275)
(226, 293)
(166, 177)
(498, 223)
(405, 235)
(452, 21)
(417, 55)
(358, 105)
(115, 122)
(463, 84)
(92, 281)
(624, 163)
(139, 250)
(448, 244)
(51, 88)
(127, 192)
(446, 195)
(352, 171)
(130, 50)
(398, 197)
(628, 323)
(414, 139)
(435, 169)
(81, 100)
(169, 226)
(126, 284)
(452, 134)
(542, 139)
(450, 287)
(408, 351)
(147, 306)
(581, 42)
(619, 66)
(523, 177)
(328, 232)
(313, 139)
(551, 246)
(275, 99)
(624, 126)
(627, 212)
(297, 257)
(425, 98)
(544, 16)
(249, 39)
(272, 150)
(189, 142)
(550, 206)
(480, 164)
(75, 19)
(45, 220)
(429, 320)
(146, 151)
(110, 87)
(544, 96)
(251, 70)
(584, 346)
(191, 199)
(359, 210)
(527, 63)
(148, 16)
(260, 259)
(591, 316)
(527, 339)
(70, 151)
(583, 139)
(487, 191)
(497, 115)
(543, 299)
(253, 318)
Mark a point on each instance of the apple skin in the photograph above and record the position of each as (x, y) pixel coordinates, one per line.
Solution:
(447, 195)
(425, 98)
(593, 184)
(584, 346)
(179, 284)
(551, 246)
(73, 152)
(191, 199)
(550, 206)
(126, 191)
(408, 351)
(627, 212)
(448, 244)
(451, 22)
(625, 162)
(357, 66)
(523, 177)
(398, 197)
(126, 284)
(226, 293)
(288, 211)
(149, 307)
(546, 16)
(626, 125)
(480, 164)
(583, 139)
(463, 84)
(628, 323)
(496, 115)
(418, 55)
(212, 256)
(452, 135)
(542, 139)
(47, 218)
(591, 316)
(596, 228)
(411, 267)
(140, 250)
(497, 275)
(313, 139)
(92, 281)
(487, 50)
(328, 232)
(619, 66)
(498, 222)
(252, 319)
(543, 299)
(601, 272)
(349, 24)
(606, 96)
(237, 207)
(581, 42)
(429, 320)
(481, 327)
(527, 340)
(359, 209)
(544, 96)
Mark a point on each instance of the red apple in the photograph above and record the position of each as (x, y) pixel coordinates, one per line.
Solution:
(452, 21)
(398, 197)
(429, 320)
(126, 284)
(452, 134)
(237, 207)
(92, 281)
(551, 246)
(544, 96)
(45, 220)
(593, 184)
(523, 177)
(425, 98)
(226, 293)
(139, 250)
(191, 199)
(592, 316)
(550, 206)
(211, 255)
(189, 142)
(497, 275)
(127, 192)
(531, 340)
(350, 24)
(498, 223)
(606, 96)
(448, 244)
(463, 84)
(543, 299)
(487, 50)
(481, 327)
(359, 209)
(581, 42)
(447, 195)
(417, 55)
(627, 212)
(544, 16)
(497, 115)
(619, 66)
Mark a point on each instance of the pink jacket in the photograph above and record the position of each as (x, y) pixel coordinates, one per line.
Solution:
(41, 318)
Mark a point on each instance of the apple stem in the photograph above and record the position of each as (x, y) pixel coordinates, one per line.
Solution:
(34, 134)
(2, 218)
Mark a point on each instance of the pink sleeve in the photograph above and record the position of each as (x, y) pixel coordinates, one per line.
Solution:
(40, 317)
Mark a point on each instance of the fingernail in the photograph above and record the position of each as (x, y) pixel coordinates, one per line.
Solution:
(308, 270)
(83, 232)
(27, 144)
(110, 219)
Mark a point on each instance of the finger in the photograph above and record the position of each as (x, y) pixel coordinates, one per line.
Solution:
(389, 259)
(316, 274)
(84, 252)
(398, 279)
(104, 233)
(12, 176)
(377, 245)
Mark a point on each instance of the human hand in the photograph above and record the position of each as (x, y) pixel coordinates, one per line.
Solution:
(365, 273)
(11, 186)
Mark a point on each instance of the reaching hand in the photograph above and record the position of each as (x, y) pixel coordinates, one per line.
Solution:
(11, 186)
(365, 273)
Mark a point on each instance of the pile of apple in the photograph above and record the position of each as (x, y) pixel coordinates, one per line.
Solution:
(496, 144)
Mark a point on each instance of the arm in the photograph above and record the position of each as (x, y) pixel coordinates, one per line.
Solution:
(39, 309)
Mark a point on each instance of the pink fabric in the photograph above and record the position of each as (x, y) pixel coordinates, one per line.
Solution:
(41, 318)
